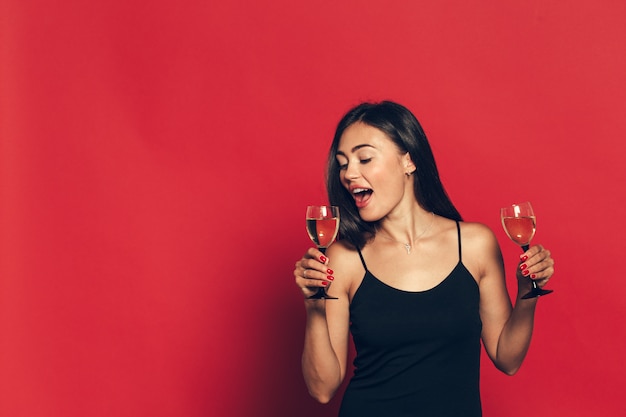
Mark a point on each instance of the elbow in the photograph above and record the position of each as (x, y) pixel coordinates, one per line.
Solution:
(508, 365)
(322, 382)
(322, 396)
(322, 399)
(508, 370)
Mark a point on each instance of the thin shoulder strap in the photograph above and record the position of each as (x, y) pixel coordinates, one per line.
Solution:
(458, 230)
(361, 256)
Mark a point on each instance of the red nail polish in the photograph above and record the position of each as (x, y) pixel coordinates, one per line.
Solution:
(330, 278)
(525, 272)
(533, 276)
(523, 258)
(324, 283)
(523, 266)
(329, 271)
(323, 259)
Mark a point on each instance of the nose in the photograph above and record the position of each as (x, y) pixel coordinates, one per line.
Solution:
(352, 172)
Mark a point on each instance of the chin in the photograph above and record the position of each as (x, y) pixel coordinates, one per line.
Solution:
(368, 216)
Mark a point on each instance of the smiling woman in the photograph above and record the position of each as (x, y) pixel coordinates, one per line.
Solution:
(143, 142)
(416, 318)
(388, 129)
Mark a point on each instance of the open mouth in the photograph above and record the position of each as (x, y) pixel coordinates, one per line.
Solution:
(361, 196)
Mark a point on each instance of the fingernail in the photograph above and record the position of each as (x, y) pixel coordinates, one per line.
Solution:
(323, 258)
(329, 271)
(523, 266)
(533, 276)
(330, 278)
(523, 258)
(525, 272)
(324, 283)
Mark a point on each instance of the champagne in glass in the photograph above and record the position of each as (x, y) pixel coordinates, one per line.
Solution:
(322, 225)
(519, 223)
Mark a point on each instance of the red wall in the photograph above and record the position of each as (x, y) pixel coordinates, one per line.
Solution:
(156, 158)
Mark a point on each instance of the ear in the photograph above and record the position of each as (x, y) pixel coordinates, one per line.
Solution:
(409, 166)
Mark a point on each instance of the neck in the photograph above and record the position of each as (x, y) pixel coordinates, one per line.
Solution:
(408, 228)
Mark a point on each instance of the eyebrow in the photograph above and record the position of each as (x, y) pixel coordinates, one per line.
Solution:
(356, 148)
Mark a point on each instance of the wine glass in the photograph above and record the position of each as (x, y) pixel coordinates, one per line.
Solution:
(519, 223)
(322, 224)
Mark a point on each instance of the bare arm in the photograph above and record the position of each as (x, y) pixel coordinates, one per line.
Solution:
(507, 330)
(326, 338)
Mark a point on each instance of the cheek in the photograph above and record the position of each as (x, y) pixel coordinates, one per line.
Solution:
(344, 183)
(342, 179)
(394, 182)
(389, 176)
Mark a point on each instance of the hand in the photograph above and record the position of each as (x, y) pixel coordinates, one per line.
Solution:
(312, 272)
(536, 264)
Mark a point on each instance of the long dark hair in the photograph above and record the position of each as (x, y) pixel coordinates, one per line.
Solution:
(403, 128)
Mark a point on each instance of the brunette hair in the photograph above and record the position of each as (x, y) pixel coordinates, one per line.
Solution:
(403, 128)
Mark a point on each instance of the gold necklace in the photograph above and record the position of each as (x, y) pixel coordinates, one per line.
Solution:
(408, 246)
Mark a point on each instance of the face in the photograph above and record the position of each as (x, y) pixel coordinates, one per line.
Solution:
(373, 170)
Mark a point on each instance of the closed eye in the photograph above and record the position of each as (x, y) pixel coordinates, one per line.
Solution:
(343, 167)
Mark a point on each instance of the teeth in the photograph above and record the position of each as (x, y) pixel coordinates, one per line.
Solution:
(359, 190)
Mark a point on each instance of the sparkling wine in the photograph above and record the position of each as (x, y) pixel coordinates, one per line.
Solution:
(322, 231)
(322, 225)
(520, 229)
(518, 221)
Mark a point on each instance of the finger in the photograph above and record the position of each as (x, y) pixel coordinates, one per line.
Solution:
(532, 251)
(315, 265)
(544, 274)
(307, 286)
(315, 275)
(540, 272)
(539, 265)
(310, 286)
(537, 261)
(543, 255)
(315, 253)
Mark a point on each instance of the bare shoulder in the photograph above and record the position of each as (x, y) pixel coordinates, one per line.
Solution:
(481, 251)
(341, 252)
(477, 236)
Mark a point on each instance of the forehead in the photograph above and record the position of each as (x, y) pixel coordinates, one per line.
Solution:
(360, 135)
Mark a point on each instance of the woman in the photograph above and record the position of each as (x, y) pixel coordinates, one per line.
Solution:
(417, 288)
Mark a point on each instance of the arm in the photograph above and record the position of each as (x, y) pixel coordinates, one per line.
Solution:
(507, 330)
(326, 338)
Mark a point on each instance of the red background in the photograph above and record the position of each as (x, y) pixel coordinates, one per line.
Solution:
(156, 158)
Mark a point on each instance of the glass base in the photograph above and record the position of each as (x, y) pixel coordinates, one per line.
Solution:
(536, 292)
(321, 295)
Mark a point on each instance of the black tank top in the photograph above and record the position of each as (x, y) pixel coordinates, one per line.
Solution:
(418, 353)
